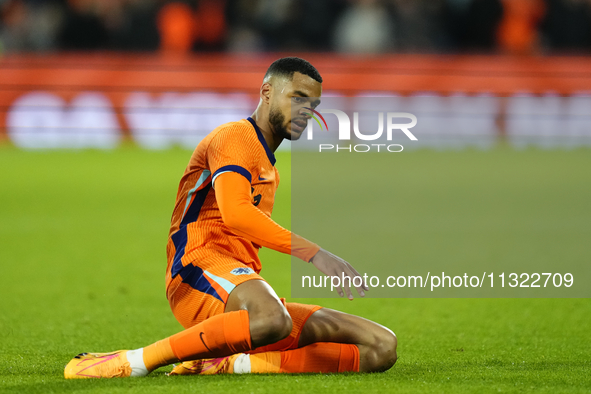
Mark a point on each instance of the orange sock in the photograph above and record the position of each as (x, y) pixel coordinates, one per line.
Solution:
(218, 336)
(268, 362)
(158, 354)
(322, 357)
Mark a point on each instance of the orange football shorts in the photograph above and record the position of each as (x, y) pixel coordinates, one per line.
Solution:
(201, 291)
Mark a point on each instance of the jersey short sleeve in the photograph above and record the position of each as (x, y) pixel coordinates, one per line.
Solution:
(233, 149)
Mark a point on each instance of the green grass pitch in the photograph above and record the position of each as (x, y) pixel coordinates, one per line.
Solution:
(82, 254)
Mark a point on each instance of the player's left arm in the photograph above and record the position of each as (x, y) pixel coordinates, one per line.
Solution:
(232, 191)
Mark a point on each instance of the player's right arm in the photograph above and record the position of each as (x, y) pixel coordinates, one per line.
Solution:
(232, 191)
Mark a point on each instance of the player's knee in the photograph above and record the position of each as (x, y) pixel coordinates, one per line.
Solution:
(270, 325)
(387, 351)
(383, 352)
(278, 326)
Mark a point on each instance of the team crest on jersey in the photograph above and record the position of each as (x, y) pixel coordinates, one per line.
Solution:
(242, 271)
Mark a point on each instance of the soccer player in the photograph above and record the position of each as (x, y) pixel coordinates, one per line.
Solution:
(234, 322)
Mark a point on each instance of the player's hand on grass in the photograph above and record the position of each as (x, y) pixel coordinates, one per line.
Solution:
(334, 266)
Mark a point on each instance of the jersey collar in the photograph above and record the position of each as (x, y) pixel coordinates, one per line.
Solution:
(270, 154)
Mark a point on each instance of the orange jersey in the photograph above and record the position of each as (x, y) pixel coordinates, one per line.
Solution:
(198, 234)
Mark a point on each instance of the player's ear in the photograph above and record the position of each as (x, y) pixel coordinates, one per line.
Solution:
(266, 92)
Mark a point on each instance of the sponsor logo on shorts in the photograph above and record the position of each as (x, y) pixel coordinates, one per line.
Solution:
(242, 271)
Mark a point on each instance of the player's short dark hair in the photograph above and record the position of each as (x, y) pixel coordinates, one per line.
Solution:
(288, 65)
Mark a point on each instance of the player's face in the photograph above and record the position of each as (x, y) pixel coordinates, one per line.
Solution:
(287, 113)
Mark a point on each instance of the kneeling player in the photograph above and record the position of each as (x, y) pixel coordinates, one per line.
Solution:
(234, 322)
